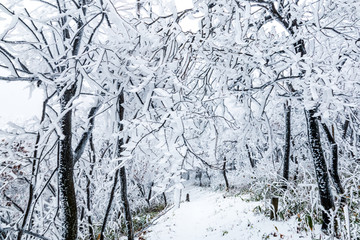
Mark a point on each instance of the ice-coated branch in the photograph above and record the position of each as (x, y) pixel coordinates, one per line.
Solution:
(14, 203)
(79, 150)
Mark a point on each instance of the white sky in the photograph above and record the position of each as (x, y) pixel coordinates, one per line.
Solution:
(16, 103)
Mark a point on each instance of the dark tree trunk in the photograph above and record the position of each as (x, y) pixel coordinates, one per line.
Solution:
(123, 181)
(224, 174)
(334, 163)
(150, 193)
(88, 187)
(296, 161)
(138, 8)
(322, 176)
(112, 193)
(287, 143)
(125, 201)
(67, 195)
(252, 161)
(345, 128)
(66, 170)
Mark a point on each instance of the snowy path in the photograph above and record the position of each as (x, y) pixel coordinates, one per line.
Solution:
(210, 216)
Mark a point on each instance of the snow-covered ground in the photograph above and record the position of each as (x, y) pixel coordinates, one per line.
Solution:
(214, 216)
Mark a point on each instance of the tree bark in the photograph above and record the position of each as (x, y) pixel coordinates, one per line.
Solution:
(112, 193)
(125, 201)
(322, 176)
(287, 143)
(334, 163)
(88, 186)
(66, 170)
(67, 195)
(123, 181)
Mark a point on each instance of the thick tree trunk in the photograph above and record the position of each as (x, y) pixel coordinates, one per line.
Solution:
(322, 176)
(123, 182)
(287, 143)
(66, 176)
(334, 163)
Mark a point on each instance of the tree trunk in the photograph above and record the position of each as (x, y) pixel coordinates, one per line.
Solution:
(224, 174)
(66, 171)
(252, 161)
(287, 143)
(112, 193)
(125, 201)
(138, 8)
(88, 187)
(322, 176)
(123, 182)
(345, 128)
(150, 193)
(334, 163)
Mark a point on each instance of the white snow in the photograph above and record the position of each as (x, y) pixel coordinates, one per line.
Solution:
(216, 216)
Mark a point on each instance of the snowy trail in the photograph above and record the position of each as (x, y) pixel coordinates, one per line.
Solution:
(210, 216)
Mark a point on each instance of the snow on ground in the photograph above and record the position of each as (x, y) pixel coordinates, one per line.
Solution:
(213, 216)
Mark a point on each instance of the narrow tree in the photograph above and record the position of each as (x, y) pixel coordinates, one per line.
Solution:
(322, 176)
(119, 172)
(287, 143)
(123, 182)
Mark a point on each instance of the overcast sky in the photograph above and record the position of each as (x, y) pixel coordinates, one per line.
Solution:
(16, 103)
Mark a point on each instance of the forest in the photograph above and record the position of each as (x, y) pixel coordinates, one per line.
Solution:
(141, 98)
